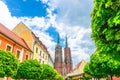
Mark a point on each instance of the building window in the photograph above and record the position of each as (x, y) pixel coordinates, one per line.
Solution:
(40, 53)
(43, 55)
(18, 54)
(0, 42)
(26, 57)
(9, 48)
(36, 50)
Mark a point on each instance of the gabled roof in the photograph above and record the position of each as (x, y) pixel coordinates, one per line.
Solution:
(21, 24)
(79, 64)
(9, 34)
(34, 36)
(79, 69)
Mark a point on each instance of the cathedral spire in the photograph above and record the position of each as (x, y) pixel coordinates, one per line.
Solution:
(66, 43)
(58, 40)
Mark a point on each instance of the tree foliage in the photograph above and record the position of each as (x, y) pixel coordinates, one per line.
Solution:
(102, 65)
(29, 69)
(106, 24)
(69, 79)
(58, 77)
(8, 64)
(106, 35)
(32, 69)
(48, 73)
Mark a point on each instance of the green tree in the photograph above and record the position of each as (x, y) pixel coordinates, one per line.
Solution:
(8, 64)
(69, 79)
(87, 77)
(87, 69)
(106, 24)
(103, 65)
(29, 69)
(48, 73)
(58, 77)
(106, 35)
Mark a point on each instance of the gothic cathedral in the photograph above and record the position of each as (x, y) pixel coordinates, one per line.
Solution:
(66, 66)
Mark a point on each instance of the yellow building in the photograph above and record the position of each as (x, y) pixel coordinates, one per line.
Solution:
(39, 49)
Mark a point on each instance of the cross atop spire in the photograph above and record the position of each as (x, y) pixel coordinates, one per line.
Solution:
(66, 43)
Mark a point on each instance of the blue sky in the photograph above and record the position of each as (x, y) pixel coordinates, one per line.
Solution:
(48, 17)
(29, 8)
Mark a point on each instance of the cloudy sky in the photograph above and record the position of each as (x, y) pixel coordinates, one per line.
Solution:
(48, 17)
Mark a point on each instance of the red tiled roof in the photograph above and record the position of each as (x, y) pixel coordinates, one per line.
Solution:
(6, 32)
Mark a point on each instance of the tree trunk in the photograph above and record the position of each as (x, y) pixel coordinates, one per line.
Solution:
(111, 77)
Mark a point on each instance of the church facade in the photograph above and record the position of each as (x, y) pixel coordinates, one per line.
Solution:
(63, 66)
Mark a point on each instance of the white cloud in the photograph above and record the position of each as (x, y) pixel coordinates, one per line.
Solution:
(44, 1)
(5, 16)
(72, 19)
(71, 12)
(39, 22)
(11, 21)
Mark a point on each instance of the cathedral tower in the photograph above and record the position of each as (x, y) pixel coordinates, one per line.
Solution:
(65, 67)
(58, 57)
(68, 58)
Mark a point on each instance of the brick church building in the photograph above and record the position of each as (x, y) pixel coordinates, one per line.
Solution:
(66, 66)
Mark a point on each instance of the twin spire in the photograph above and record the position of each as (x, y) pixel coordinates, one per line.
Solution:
(58, 41)
(66, 43)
